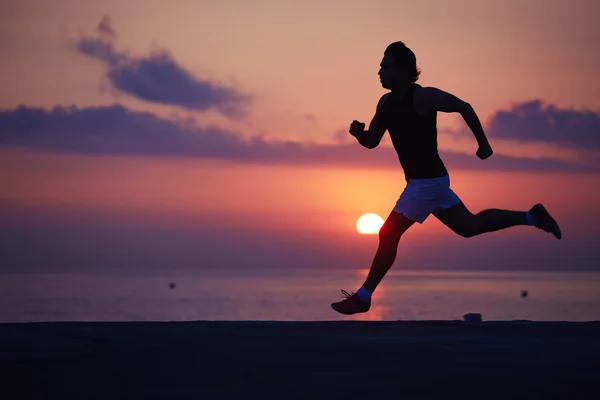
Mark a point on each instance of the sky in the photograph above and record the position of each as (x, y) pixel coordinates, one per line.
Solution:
(151, 135)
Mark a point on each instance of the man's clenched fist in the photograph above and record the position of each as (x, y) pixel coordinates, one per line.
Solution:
(357, 128)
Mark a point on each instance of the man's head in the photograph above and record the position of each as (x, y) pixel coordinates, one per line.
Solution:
(398, 66)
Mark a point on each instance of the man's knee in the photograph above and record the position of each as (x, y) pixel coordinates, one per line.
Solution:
(462, 221)
(390, 234)
(467, 232)
(469, 229)
(393, 228)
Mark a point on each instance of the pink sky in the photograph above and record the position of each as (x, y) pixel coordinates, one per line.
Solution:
(293, 72)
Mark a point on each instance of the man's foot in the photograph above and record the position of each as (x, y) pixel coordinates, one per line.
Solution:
(544, 220)
(351, 305)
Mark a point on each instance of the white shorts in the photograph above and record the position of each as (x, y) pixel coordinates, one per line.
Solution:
(422, 197)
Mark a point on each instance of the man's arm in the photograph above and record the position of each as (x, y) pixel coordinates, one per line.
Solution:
(431, 99)
(372, 137)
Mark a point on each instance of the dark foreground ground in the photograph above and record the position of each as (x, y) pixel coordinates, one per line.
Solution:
(311, 360)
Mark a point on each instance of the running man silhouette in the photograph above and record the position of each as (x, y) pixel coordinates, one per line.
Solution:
(409, 113)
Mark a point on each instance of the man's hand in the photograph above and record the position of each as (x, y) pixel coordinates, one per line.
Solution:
(484, 151)
(357, 128)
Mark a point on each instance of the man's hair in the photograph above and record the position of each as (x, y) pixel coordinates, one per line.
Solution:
(404, 57)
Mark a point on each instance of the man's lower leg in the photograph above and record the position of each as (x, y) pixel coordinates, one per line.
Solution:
(494, 220)
(382, 262)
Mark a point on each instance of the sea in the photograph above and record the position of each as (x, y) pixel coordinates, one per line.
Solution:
(297, 295)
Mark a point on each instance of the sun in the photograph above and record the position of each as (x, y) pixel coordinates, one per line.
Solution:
(369, 224)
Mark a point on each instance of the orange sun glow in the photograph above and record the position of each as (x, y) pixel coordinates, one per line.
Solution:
(369, 224)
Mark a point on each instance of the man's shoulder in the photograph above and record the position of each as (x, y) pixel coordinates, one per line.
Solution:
(425, 91)
(382, 100)
(385, 96)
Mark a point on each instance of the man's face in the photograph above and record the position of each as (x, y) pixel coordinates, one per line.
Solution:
(389, 74)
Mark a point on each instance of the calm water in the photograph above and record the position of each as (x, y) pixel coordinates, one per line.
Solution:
(297, 295)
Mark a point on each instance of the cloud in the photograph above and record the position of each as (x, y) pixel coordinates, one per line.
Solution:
(111, 130)
(118, 130)
(342, 136)
(534, 121)
(158, 78)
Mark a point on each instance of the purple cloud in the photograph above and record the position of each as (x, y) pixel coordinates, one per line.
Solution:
(158, 77)
(118, 130)
(111, 130)
(535, 121)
